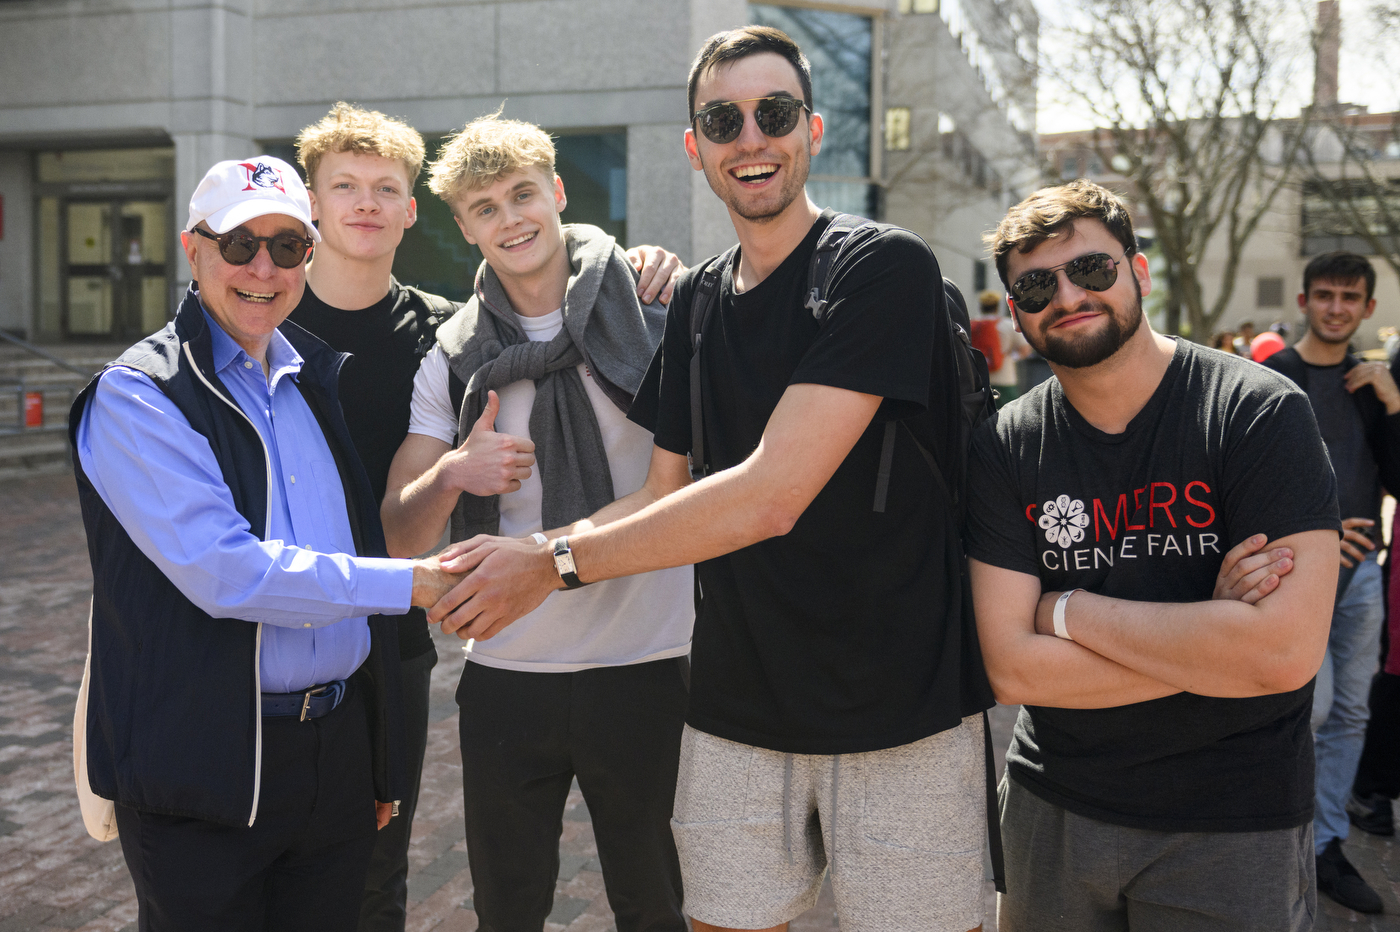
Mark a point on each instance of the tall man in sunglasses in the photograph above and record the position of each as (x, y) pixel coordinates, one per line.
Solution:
(244, 713)
(1150, 598)
(834, 715)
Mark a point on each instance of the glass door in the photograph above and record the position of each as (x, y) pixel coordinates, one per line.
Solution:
(116, 287)
(90, 273)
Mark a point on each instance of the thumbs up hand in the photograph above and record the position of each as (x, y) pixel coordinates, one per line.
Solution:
(487, 462)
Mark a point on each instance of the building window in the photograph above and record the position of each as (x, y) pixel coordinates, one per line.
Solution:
(839, 48)
(1337, 217)
(1069, 167)
(979, 275)
(897, 129)
(107, 249)
(1270, 292)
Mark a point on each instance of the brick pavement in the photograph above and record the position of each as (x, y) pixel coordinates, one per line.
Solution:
(54, 877)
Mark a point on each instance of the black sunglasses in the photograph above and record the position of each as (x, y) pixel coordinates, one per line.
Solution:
(775, 116)
(1094, 272)
(238, 247)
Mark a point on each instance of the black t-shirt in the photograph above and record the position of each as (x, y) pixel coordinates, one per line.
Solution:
(1344, 433)
(1224, 449)
(832, 638)
(386, 342)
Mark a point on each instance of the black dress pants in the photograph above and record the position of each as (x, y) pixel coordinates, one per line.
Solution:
(385, 904)
(1379, 770)
(301, 865)
(525, 736)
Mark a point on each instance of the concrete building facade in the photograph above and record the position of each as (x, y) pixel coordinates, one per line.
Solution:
(112, 110)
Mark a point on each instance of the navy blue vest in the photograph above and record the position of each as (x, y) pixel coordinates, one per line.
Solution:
(172, 704)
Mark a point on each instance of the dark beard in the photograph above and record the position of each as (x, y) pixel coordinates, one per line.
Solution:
(1090, 351)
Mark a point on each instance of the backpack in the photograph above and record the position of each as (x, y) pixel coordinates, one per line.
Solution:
(977, 404)
(986, 337)
(978, 399)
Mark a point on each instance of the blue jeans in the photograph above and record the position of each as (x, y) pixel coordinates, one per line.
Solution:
(1340, 708)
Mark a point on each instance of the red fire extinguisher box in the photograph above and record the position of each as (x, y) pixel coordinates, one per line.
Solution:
(33, 409)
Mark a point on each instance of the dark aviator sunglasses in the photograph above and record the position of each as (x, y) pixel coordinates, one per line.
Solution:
(775, 117)
(238, 247)
(1034, 291)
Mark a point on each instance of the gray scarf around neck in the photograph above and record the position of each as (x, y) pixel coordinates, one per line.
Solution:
(606, 327)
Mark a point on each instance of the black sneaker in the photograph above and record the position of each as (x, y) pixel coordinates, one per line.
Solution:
(1371, 814)
(1339, 880)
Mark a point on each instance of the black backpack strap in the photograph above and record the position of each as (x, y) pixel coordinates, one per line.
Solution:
(824, 257)
(993, 809)
(701, 303)
(434, 310)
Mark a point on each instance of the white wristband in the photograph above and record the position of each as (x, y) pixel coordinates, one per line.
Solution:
(1060, 630)
(539, 538)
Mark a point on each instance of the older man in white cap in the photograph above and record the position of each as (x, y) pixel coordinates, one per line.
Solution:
(242, 708)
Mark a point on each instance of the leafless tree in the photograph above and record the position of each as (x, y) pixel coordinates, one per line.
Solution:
(1189, 96)
(1350, 167)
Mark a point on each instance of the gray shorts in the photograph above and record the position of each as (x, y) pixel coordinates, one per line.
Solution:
(1069, 873)
(902, 829)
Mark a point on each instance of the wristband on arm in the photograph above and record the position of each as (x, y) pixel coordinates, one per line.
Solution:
(1059, 614)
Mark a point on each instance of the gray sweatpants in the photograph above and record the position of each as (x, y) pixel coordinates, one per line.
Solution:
(1069, 873)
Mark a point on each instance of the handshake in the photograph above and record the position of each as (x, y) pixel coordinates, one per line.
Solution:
(476, 587)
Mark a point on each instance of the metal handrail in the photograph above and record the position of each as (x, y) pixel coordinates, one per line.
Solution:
(56, 360)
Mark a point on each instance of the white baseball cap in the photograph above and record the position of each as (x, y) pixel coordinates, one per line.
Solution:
(234, 192)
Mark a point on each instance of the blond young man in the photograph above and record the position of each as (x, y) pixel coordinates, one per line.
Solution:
(549, 352)
(361, 167)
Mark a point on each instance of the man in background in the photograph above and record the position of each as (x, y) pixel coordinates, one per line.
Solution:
(1357, 405)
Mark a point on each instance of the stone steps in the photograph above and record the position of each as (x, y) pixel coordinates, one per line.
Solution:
(27, 451)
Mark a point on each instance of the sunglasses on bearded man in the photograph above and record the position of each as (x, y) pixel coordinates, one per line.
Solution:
(775, 117)
(1034, 291)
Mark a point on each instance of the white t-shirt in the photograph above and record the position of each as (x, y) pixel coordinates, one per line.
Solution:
(634, 619)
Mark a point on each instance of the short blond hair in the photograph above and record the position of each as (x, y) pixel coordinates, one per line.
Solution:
(485, 151)
(349, 128)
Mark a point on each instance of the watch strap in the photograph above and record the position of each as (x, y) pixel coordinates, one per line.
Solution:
(564, 564)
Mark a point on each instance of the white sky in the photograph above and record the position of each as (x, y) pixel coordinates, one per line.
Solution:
(1368, 75)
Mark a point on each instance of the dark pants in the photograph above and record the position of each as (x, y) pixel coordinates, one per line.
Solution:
(1069, 873)
(1379, 771)
(385, 905)
(525, 736)
(301, 865)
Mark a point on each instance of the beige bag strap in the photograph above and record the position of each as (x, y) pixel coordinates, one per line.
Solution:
(99, 815)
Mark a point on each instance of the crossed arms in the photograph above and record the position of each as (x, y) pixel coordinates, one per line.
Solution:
(1264, 631)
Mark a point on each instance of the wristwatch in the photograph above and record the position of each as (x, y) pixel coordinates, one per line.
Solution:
(564, 564)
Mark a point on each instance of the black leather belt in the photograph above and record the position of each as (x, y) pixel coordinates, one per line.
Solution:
(309, 703)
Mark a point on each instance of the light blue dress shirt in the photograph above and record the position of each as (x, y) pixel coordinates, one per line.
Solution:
(161, 480)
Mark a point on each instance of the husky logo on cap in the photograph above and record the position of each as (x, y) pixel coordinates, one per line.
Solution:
(262, 176)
